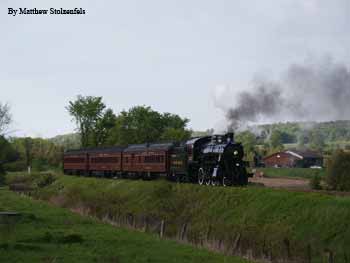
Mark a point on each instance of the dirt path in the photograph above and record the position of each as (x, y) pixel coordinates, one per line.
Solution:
(301, 184)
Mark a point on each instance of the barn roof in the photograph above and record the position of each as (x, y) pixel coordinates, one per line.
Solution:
(304, 154)
(300, 154)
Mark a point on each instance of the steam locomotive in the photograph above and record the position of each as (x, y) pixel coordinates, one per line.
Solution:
(209, 160)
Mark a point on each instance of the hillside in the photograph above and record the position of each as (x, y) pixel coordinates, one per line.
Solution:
(253, 221)
(333, 131)
(67, 141)
(50, 234)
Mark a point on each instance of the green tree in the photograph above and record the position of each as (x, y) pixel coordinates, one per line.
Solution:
(5, 149)
(317, 141)
(28, 144)
(142, 124)
(88, 113)
(248, 139)
(104, 127)
(338, 171)
(7, 154)
(40, 154)
(303, 139)
(172, 134)
(276, 140)
(5, 117)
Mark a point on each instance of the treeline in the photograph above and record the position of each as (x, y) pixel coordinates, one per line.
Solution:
(325, 137)
(37, 153)
(97, 126)
(317, 135)
(100, 126)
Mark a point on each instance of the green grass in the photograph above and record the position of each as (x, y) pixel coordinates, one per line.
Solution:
(307, 173)
(50, 234)
(266, 220)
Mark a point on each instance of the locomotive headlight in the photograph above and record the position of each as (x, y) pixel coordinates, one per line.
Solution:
(237, 164)
(235, 152)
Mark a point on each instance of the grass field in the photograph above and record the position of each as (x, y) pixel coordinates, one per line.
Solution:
(307, 173)
(51, 234)
(271, 223)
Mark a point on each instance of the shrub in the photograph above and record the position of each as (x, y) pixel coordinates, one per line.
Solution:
(2, 177)
(338, 173)
(17, 166)
(45, 180)
(315, 182)
(72, 238)
(18, 179)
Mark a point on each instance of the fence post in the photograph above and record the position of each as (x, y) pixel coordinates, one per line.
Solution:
(162, 227)
(308, 253)
(183, 231)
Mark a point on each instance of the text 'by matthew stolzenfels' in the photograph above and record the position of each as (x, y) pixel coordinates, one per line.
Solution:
(50, 11)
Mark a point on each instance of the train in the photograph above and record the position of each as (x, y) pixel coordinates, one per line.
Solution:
(208, 160)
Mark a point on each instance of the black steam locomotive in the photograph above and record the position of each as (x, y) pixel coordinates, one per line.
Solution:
(209, 160)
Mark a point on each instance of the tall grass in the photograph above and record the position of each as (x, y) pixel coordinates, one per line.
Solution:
(50, 234)
(307, 173)
(265, 222)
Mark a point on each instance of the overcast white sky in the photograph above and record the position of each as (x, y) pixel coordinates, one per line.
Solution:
(170, 55)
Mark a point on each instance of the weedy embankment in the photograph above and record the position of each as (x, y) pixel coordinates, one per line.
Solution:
(260, 223)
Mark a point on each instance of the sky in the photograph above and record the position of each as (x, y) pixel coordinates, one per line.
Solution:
(174, 55)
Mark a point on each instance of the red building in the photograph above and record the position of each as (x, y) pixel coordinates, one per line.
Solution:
(292, 158)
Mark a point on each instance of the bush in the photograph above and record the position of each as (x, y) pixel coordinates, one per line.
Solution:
(19, 179)
(45, 180)
(315, 182)
(2, 178)
(72, 238)
(17, 166)
(338, 173)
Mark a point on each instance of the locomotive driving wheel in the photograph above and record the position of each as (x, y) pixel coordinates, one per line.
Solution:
(207, 179)
(215, 182)
(226, 181)
(201, 176)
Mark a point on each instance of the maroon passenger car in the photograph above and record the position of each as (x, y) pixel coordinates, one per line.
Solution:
(76, 162)
(106, 161)
(146, 161)
(135, 161)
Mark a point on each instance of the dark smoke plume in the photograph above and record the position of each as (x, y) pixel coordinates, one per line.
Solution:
(310, 92)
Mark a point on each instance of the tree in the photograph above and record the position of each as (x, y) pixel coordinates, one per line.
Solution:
(104, 127)
(87, 112)
(303, 139)
(248, 139)
(338, 171)
(172, 134)
(138, 125)
(37, 153)
(28, 144)
(5, 117)
(174, 127)
(276, 140)
(142, 124)
(316, 141)
(7, 154)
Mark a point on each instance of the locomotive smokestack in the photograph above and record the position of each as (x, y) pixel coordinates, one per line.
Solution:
(230, 136)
